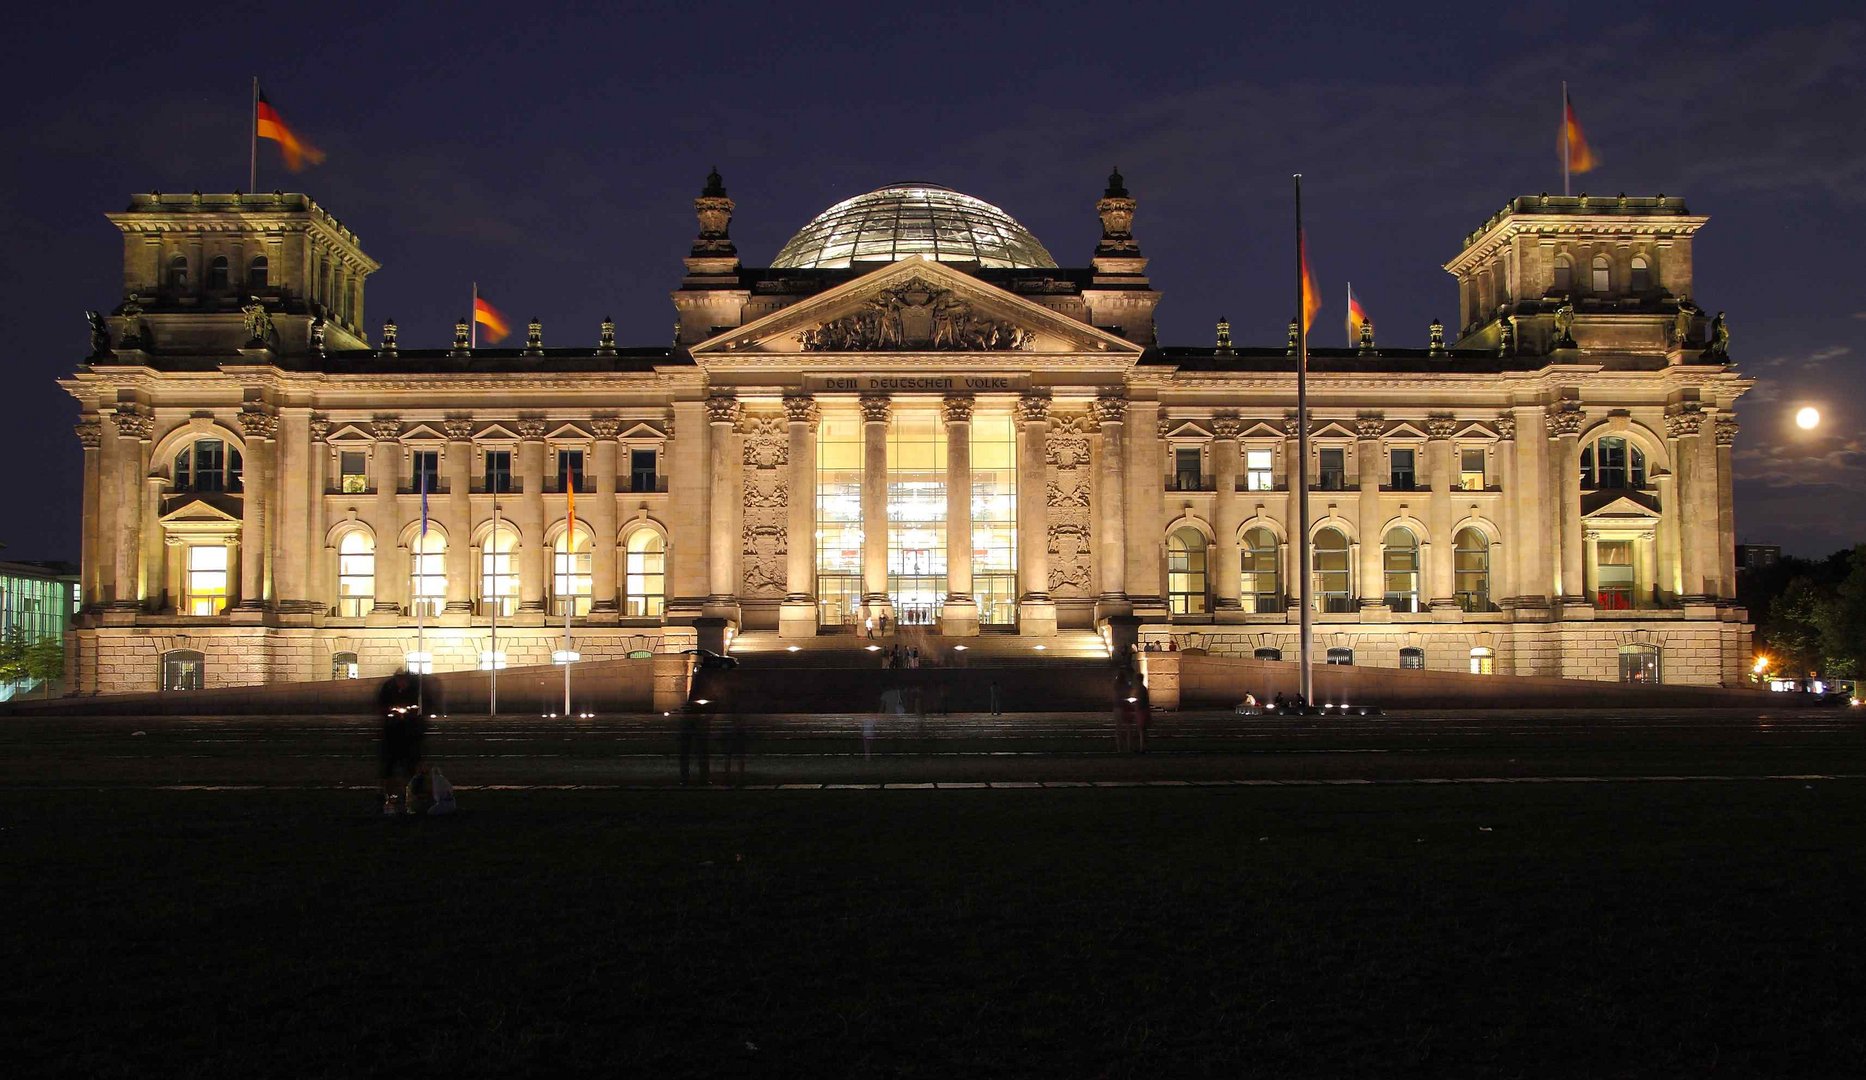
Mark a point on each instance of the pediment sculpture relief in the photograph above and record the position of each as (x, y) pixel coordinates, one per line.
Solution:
(916, 315)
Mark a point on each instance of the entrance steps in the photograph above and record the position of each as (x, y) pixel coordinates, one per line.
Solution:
(936, 650)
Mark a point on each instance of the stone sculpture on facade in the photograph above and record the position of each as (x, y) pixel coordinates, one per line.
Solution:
(915, 315)
(1719, 339)
(258, 323)
(1564, 324)
(1068, 493)
(100, 334)
(765, 453)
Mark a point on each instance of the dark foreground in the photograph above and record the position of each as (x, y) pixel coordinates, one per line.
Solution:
(1612, 927)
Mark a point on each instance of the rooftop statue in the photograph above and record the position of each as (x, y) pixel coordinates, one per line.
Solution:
(258, 322)
(1719, 339)
(1564, 323)
(100, 334)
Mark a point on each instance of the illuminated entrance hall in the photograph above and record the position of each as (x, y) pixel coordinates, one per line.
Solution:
(917, 516)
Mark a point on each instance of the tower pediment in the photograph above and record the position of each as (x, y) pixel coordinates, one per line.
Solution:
(914, 306)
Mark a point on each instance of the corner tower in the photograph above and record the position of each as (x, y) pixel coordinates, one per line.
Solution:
(1120, 299)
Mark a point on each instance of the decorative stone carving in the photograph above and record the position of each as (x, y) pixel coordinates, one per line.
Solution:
(1223, 348)
(1109, 409)
(90, 432)
(1292, 426)
(386, 428)
(319, 327)
(915, 315)
(1440, 426)
(605, 427)
(721, 409)
(463, 341)
(958, 408)
(1506, 334)
(1565, 418)
(1369, 426)
(714, 209)
(258, 323)
(100, 334)
(134, 422)
(1033, 408)
(1295, 336)
(765, 503)
(1726, 430)
(458, 428)
(135, 334)
(1719, 339)
(1683, 419)
(257, 423)
(320, 428)
(1068, 444)
(767, 440)
(606, 338)
(532, 428)
(1367, 338)
(803, 409)
(1068, 493)
(1116, 210)
(876, 408)
(534, 337)
(391, 335)
(1564, 324)
(1506, 426)
(1227, 427)
(1435, 339)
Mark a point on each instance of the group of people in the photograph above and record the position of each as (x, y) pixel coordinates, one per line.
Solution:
(696, 745)
(901, 657)
(409, 784)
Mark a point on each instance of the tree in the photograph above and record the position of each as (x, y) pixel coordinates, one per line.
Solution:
(1843, 621)
(1792, 636)
(45, 661)
(13, 646)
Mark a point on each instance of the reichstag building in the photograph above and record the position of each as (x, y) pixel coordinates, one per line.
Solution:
(913, 412)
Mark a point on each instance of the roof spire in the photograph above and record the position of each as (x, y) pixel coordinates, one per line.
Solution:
(1117, 185)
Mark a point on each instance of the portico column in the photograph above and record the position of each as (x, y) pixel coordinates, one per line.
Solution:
(134, 427)
(259, 426)
(1145, 479)
(1564, 425)
(1226, 517)
(1295, 478)
(1684, 423)
(724, 500)
(604, 604)
(798, 617)
(154, 564)
(534, 556)
(318, 561)
(458, 475)
(1036, 612)
(1367, 460)
(1439, 455)
(1503, 565)
(386, 472)
(1724, 499)
(290, 562)
(1590, 564)
(90, 436)
(1111, 519)
(876, 411)
(959, 615)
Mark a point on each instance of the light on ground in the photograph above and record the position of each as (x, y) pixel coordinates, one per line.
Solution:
(1808, 418)
(793, 648)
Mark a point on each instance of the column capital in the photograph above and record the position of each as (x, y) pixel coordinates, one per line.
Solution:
(722, 409)
(1033, 408)
(1564, 419)
(1226, 427)
(1292, 426)
(90, 432)
(386, 428)
(134, 422)
(1506, 426)
(1684, 419)
(1440, 426)
(605, 427)
(458, 428)
(803, 409)
(1726, 430)
(876, 408)
(257, 423)
(1110, 408)
(320, 427)
(532, 428)
(958, 408)
(1369, 426)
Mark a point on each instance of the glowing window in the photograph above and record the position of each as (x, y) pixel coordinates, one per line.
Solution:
(1185, 572)
(205, 587)
(343, 665)
(894, 223)
(1261, 581)
(1331, 571)
(1412, 658)
(994, 517)
(1471, 570)
(427, 574)
(1639, 664)
(570, 573)
(183, 669)
(356, 573)
(1483, 661)
(498, 585)
(1257, 470)
(839, 519)
(644, 576)
(1471, 470)
(1400, 565)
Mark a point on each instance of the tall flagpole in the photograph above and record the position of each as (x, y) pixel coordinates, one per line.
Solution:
(498, 598)
(1350, 321)
(473, 320)
(1567, 138)
(570, 565)
(1306, 685)
(422, 664)
(252, 134)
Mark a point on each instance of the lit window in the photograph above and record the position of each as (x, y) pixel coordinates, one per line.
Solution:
(1471, 472)
(1611, 463)
(1404, 476)
(353, 472)
(206, 584)
(1334, 469)
(644, 574)
(1341, 657)
(498, 585)
(1185, 572)
(994, 517)
(257, 272)
(427, 574)
(1639, 664)
(1471, 570)
(183, 669)
(1412, 659)
(641, 470)
(570, 573)
(1483, 661)
(1257, 471)
(218, 276)
(1603, 279)
(1400, 555)
(1331, 571)
(343, 665)
(1642, 274)
(178, 272)
(1261, 584)
(356, 573)
(207, 465)
(1613, 578)
(839, 536)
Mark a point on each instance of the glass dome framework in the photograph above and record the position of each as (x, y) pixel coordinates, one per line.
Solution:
(893, 223)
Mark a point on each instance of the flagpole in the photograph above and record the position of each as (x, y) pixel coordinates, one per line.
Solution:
(473, 320)
(1350, 323)
(1306, 683)
(498, 598)
(252, 133)
(422, 665)
(570, 556)
(1567, 137)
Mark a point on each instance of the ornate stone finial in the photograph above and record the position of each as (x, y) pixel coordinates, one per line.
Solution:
(606, 338)
(534, 337)
(463, 341)
(1684, 419)
(1226, 427)
(1564, 418)
(876, 408)
(1117, 185)
(1033, 408)
(605, 427)
(1726, 430)
(1109, 408)
(1506, 336)
(320, 427)
(722, 409)
(257, 423)
(391, 339)
(458, 428)
(135, 334)
(1370, 425)
(1435, 338)
(1719, 348)
(1295, 335)
(1440, 426)
(258, 323)
(134, 422)
(1367, 337)
(802, 409)
(386, 428)
(958, 408)
(1116, 209)
(1506, 426)
(1224, 336)
(90, 432)
(715, 185)
(714, 210)
(532, 428)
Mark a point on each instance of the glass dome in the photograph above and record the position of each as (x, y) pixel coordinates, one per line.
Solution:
(892, 223)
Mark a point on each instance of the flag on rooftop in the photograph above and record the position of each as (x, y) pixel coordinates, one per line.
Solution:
(268, 125)
(1576, 154)
(489, 317)
(1311, 299)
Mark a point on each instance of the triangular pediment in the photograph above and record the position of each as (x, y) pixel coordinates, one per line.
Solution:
(1262, 430)
(916, 305)
(641, 430)
(203, 515)
(349, 433)
(495, 433)
(423, 433)
(1405, 429)
(568, 433)
(1603, 509)
(1475, 430)
(1333, 429)
(1187, 429)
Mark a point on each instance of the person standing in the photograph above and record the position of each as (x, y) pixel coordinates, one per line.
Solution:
(404, 726)
(994, 697)
(693, 740)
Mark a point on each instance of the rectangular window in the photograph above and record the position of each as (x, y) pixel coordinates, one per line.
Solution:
(641, 470)
(1613, 582)
(498, 471)
(839, 520)
(1471, 474)
(994, 518)
(917, 516)
(353, 472)
(1257, 470)
(570, 470)
(426, 475)
(1404, 478)
(1186, 475)
(1334, 469)
(207, 579)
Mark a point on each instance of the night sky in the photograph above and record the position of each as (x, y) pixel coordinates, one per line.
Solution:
(555, 157)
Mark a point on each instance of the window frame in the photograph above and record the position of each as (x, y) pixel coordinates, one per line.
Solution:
(1192, 574)
(644, 563)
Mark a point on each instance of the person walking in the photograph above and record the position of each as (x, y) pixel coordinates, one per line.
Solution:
(404, 727)
(1143, 715)
(994, 697)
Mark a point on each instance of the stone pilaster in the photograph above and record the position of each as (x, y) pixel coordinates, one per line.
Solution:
(1295, 477)
(797, 617)
(1036, 612)
(1503, 562)
(605, 602)
(1227, 518)
(457, 472)
(1110, 411)
(1726, 506)
(1371, 466)
(959, 614)
(319, 561)
(877, 411)
(534, 555)
(1442, 466)
(1564, 422)
(154, 587)
(724, 501)
(1145, 479)
(135, 425)
(91, 546)
(1527, 491)
(386, 473)
(291, 566)
(1684, 426)
(260, 426)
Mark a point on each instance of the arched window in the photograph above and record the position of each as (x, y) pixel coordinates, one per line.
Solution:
(427, 573)
(178, 272)
(1268, 654)
(570, 573)
(1412, 658)
(1642, 274)
(218, 276)
(1603, 278)
(207, 465)
(1341, 657)
(356, 573)
(1611, 463)
(1332, 590)
(1639, 664)
(1483, 661)
(1185, 572)
(204, 584)
(644, 575)
(1400, 564)
(257, 272)
(1564, 274)
(498, 585)
(1470, 567)
(1262, 581)
(183, 669)
(343, 665)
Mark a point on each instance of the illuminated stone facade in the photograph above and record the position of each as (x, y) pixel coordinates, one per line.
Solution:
(985, 443)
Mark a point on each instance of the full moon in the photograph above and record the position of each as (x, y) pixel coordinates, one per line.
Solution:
(1808, 418)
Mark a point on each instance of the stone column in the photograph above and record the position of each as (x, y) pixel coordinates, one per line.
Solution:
(291, 561)
(1527, 492)
(1726, 429)
(876, 412)
(724, 501)
(1367, 462)
(797, 617)
(457, 472)
(1145, 479)
(1669, 568)
(1564, 426)
(259, 426)
(534, 556)
(135, 424)
(689, 482)
(1683, 424)
(1110, 412)
(386, 473)
(1503, 548)
(959, 615)
(90, 543)
(155, 564)
(1226, 518)
(1036, 612)
(1590, 563)
(1296, 476)
(1440, 463)
(605, 604)
(319, 562)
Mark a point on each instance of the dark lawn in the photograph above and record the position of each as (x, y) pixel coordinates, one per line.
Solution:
(1624, 929)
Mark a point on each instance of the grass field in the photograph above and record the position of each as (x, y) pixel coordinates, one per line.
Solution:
(1523, 930)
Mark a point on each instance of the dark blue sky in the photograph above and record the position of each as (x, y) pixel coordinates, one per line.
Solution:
(554, 158)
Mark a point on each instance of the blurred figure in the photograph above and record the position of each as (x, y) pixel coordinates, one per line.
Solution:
(404, 726)
(693, 739)
(1124, 704)
(1143, 715)
(737, 742)
(994, 697)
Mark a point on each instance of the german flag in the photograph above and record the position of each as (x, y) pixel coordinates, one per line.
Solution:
(1311, 299)
(268, 125)
(1579, 156)
(488, 316)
